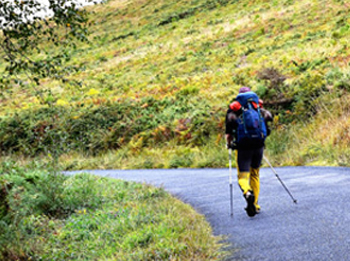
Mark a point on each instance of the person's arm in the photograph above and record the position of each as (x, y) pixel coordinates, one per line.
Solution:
(230, 126)
(267, 118)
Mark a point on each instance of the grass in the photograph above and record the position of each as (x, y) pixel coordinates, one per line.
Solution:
(157, 77)
(172, 156)
(95, 218)
(312, 145)
(194, 55)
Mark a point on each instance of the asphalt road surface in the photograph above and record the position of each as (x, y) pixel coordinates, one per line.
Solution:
(317, 228)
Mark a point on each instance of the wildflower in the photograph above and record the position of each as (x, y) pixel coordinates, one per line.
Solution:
(61, 102)
(92, 92)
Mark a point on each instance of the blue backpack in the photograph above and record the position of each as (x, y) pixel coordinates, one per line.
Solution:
(251, 125)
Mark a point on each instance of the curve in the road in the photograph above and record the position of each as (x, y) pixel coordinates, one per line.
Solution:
(317, 228)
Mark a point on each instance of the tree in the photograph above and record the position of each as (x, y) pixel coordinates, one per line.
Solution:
(26, 25)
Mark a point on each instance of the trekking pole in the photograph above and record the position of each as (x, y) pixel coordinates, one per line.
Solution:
(230, 181)
(268, 162)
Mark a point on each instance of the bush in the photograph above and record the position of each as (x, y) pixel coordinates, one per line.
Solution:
(309, 87)
(58, 130)
(180, 162)
(30, 198)
(338, 80)
(49, 193)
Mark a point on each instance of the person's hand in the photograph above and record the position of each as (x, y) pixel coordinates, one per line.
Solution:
(230, 144)
(228, 140)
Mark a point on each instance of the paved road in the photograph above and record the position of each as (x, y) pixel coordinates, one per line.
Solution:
(317, 228)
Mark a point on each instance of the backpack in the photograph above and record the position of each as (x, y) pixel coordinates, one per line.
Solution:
(251, 125)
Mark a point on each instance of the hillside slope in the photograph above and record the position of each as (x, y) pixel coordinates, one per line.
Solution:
(158, 75)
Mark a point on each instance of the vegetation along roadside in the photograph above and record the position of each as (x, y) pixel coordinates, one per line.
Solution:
(148, 88)
(151, 86)
(49, 216)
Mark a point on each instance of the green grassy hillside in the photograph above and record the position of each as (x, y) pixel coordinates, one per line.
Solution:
(157, 77)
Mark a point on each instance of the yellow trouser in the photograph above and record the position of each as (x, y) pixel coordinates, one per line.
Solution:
(255, 183)
(250, 181)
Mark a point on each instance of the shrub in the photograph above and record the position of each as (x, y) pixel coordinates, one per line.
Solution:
(338, 79)
(33, 192)
(58, 130)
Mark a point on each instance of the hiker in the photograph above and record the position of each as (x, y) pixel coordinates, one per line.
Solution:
(246, 130)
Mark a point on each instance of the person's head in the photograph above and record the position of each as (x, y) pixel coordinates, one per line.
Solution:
(244, 89)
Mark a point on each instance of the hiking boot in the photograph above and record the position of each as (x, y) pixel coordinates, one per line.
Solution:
(250, 209)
